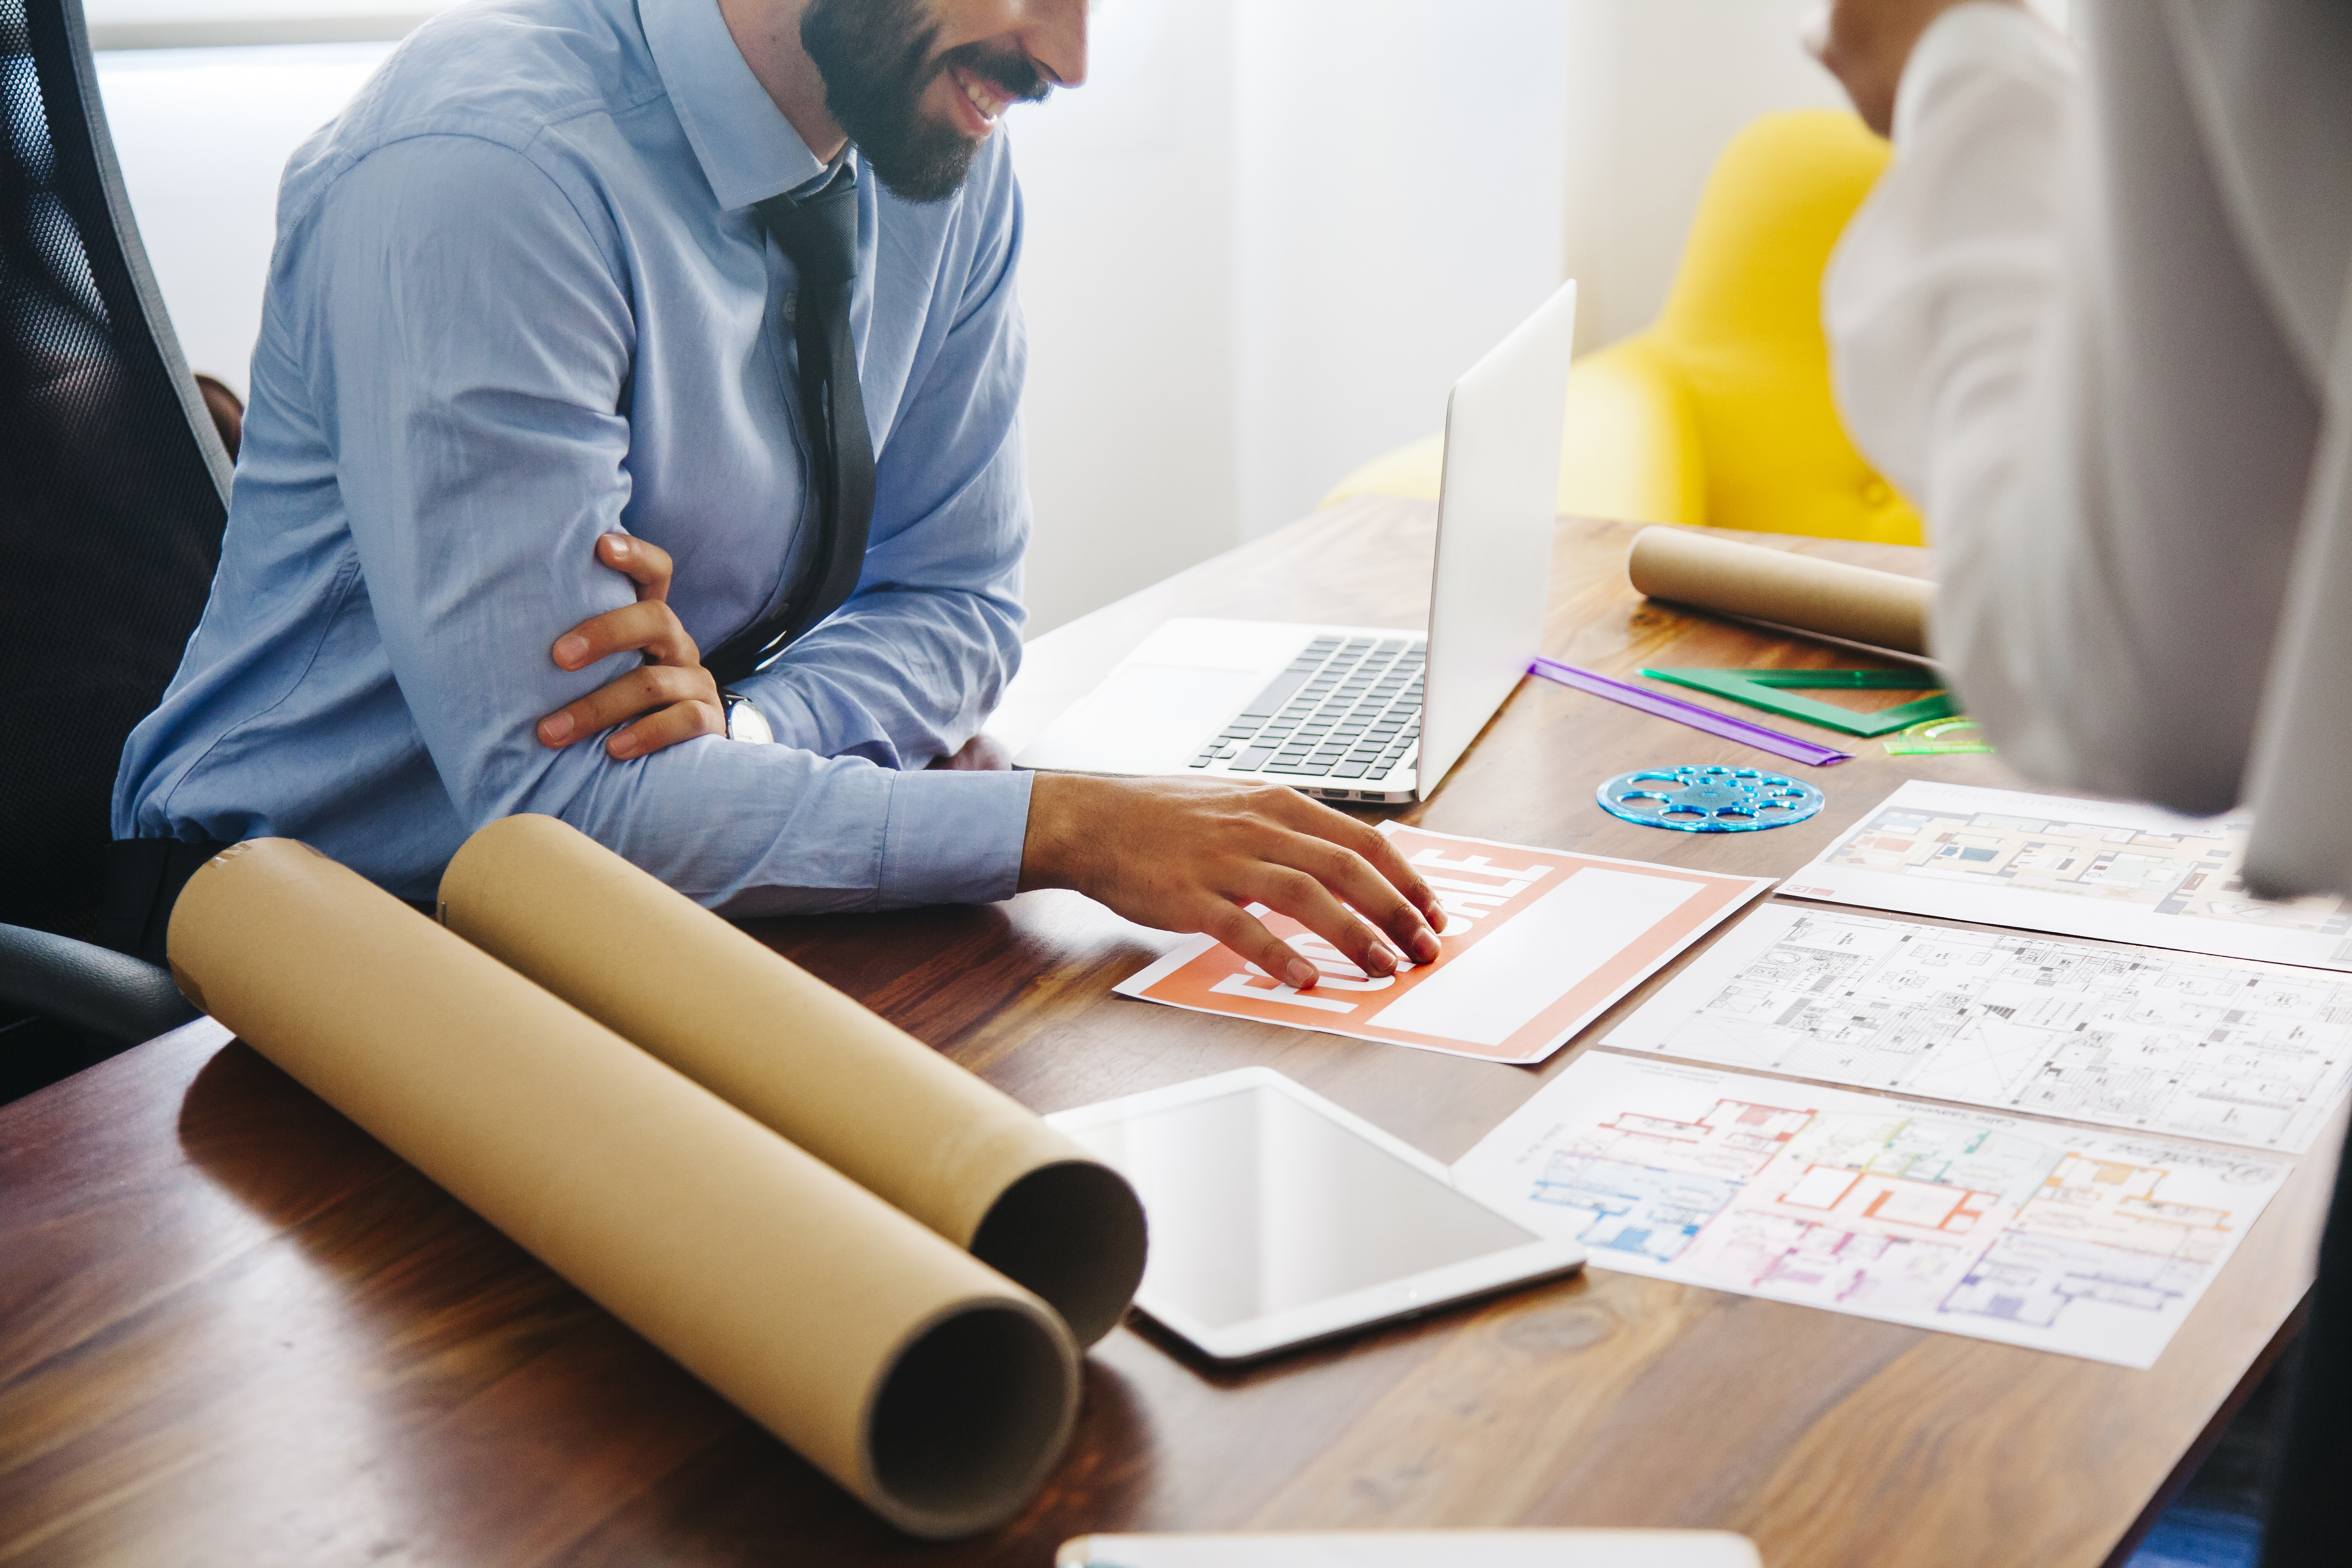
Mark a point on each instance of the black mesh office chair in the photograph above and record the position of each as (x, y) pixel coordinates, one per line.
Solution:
(113, 493)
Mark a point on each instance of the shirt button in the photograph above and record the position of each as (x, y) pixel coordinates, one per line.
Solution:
(1875, 492)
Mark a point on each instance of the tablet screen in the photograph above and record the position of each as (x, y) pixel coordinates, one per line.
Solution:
(1258, 1204)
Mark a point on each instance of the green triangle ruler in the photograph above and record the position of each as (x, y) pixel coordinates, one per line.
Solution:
(1766, 688)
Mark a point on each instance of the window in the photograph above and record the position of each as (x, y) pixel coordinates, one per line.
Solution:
(197, 23)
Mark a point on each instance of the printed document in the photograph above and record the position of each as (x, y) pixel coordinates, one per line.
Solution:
(2158, 1042)
(2080, 867)
(2060, 1238)
(1537, 943)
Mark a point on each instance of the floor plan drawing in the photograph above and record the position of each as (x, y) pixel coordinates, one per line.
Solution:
(2080, 867)
(2096, 1230)
(2086, 1243)
(1650, 1182)
(2134, 1038)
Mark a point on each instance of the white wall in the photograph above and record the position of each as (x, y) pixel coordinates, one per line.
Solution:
(185, 23)
(1128, 286)
(1655, 89)
(1263, 240)
(1400, 187)
(202, 135)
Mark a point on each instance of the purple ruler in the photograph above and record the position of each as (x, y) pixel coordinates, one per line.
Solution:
(1690, 714)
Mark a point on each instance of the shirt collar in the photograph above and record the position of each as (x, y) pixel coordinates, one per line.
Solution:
(747, 149)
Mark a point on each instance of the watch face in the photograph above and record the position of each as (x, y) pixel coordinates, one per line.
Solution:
(746, 723)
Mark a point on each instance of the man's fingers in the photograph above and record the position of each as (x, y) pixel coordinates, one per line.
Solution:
(1374, 897)
(1246, 935)
(1191, 855)
(660, 731)
(1306, 899)
(1393, 893)
(1389, 860)
(647, 565)
(648, 626)
(672, 687)
(641, 690)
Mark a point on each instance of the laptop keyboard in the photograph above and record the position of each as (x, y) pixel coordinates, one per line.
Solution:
(1348, 708)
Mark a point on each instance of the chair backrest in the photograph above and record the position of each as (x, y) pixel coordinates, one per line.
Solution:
(113, 483)
(1742, 326)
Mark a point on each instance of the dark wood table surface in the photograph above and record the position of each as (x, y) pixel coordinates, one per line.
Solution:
(233, 1330)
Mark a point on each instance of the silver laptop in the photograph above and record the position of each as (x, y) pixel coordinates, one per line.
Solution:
(1366, 713)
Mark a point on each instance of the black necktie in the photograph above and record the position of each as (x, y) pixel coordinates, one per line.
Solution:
(819, 234)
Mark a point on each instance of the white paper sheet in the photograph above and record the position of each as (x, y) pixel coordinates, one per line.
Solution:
(2107, 870)
(2060, 1238)
(1498, 988)
(2136, 1037)
(1416, 1549)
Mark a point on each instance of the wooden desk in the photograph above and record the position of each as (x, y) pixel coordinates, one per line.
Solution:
(234, 1330)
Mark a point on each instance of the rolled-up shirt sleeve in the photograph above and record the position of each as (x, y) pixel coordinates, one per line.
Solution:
(468, 339)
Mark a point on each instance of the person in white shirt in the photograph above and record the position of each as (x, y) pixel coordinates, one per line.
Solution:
(2094, 322)
(2093, 328)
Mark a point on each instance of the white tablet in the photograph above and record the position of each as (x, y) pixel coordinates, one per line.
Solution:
(1277, 1218)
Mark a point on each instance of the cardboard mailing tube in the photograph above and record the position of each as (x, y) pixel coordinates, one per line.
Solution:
(1693, 567)
(868, 1099)
(936, 1391)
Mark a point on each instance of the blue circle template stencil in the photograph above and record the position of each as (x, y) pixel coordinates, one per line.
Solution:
(1710, 799)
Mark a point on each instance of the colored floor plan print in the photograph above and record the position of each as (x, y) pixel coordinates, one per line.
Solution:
(2095, 868)
(2086, 1242)
(2136, 1037)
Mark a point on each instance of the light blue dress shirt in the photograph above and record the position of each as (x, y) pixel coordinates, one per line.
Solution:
(519, 299)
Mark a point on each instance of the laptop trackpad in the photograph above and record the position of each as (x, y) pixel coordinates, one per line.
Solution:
(1145, 719)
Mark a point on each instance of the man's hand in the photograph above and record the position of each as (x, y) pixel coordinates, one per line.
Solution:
(1191, 854)
(675, 696)
(1865, 44)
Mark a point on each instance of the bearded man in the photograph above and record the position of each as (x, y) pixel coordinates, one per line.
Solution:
(684, 325)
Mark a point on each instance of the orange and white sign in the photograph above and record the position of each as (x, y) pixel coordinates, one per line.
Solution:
(1537, 943)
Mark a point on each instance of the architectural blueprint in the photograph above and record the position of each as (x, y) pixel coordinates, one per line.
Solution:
(2086, 1242)
(2080, 867)
(2138, 1037)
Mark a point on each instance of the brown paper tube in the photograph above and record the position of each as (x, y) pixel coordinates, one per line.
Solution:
(765, 1035)
(1694, 566)
(935, 1390)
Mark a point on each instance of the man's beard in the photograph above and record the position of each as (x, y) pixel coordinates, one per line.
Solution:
(877, 61)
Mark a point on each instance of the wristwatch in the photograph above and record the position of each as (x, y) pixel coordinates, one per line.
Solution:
(744, 719)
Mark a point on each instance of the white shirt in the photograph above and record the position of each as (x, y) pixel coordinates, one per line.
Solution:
(2095, 328)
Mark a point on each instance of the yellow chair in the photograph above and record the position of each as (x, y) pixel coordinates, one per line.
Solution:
(1720, 412)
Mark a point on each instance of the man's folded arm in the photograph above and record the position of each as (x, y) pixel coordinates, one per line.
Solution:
(913, 664)
(468, 334)
(911, 668)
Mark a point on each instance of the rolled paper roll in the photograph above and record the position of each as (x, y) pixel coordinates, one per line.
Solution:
(1697, 566)
(935, 1390)
(868, 1099)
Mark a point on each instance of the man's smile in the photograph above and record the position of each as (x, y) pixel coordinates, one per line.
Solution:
(920, 85)
(983, 101)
